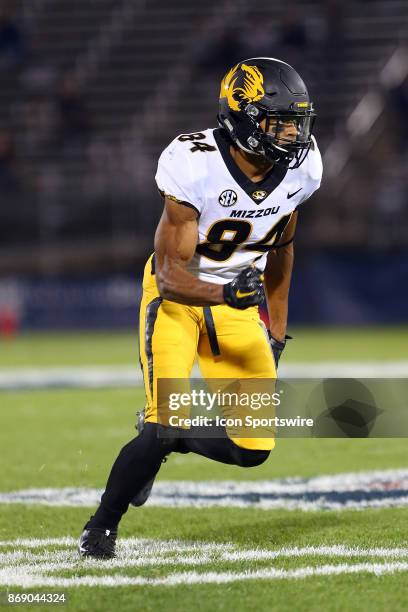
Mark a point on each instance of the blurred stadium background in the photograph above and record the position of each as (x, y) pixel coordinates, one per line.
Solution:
(93, 90)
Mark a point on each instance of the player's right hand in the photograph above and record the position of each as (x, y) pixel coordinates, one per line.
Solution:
(245, 290)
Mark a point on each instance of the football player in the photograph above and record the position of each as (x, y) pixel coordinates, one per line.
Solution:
(225, 239)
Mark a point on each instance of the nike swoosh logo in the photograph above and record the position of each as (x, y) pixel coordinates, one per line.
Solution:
(240, 294)
(290, 195)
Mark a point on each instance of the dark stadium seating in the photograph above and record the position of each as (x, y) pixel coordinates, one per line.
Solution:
(143, 72)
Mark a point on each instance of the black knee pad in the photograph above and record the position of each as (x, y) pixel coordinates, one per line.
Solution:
(245, 457)
(166, 437)
(153, 435)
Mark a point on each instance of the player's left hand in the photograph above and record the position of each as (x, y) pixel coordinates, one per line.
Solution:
(277, 346)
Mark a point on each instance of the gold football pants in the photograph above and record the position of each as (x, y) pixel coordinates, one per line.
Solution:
(173, 335)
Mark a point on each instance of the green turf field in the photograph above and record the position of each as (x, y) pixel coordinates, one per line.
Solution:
(309, 344)
(268, 559)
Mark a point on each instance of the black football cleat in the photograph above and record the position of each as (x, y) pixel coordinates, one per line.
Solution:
(97, 543)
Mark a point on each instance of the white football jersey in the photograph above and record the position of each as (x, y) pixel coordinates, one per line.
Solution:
(239, 220)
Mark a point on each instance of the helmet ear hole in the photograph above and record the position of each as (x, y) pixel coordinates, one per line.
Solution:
(253, 142)
(252, 111)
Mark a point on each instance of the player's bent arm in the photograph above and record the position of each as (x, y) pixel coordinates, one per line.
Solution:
(278, 274)
(175, 244)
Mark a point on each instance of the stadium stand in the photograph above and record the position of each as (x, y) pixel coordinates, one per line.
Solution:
(103, 85)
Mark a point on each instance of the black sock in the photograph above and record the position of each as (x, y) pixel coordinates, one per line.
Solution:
(137, 463)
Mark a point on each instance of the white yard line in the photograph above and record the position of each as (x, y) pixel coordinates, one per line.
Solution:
(81, 377)
(26, 569)
(13, 577)
(259, 554)
(377, 489)
(349, 369)
(161, 553)
(130, 376)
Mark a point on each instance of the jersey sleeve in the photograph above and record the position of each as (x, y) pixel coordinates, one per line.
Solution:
(313, 171)
(175, 177)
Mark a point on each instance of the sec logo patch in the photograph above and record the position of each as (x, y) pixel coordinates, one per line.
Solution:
(228, 198)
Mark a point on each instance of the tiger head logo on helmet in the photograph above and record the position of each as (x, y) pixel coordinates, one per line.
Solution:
(245, 84)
